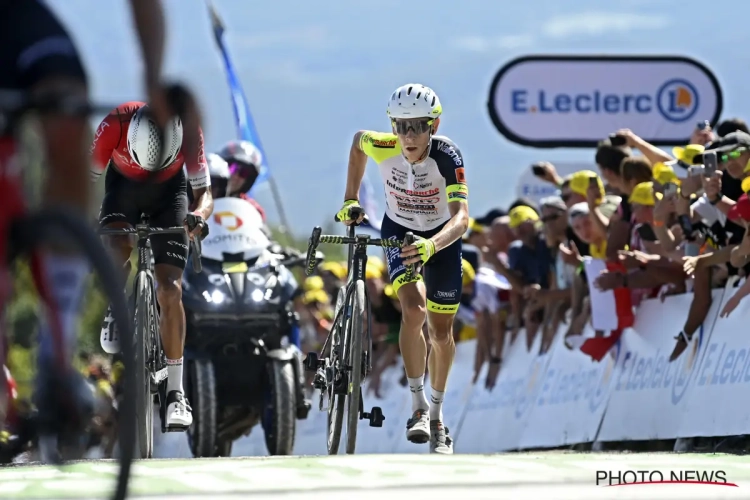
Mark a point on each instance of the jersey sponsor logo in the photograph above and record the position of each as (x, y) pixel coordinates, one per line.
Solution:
(429, 192)
(446, 295)
(416, 209)
(450, 151)
(383, 144)
(404, 217)
(433, 219)
(423, 186)
(416, 201)
(400, 180)
(229, 220)
(460, 176)
(99, 132)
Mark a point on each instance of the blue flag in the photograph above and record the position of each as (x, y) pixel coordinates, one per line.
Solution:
(245, 125)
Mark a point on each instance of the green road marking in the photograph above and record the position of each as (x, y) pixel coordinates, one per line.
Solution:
(217, 476)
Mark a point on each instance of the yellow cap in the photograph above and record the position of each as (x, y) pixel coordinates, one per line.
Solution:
(313, 283)
(687, 153)
(643, 194)
(475, 226)
(746, 185)
(522, 214)
(319, 296)
(468, 273)
(664, 173)
(334, 268)
(579, 182)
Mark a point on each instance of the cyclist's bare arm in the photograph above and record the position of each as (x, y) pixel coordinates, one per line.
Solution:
(66, 140)
(455, 227)
(148, 16)
(357, 165)
(203, 202)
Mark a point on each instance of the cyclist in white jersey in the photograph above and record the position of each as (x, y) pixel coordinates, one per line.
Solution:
(426, 194)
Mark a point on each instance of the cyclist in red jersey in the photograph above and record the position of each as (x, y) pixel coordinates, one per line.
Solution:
(140, 182)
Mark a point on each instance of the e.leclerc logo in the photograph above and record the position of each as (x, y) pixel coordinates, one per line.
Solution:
(676, 100)
(575, 101)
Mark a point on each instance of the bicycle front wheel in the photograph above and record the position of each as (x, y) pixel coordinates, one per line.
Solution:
(50, 225)
(337, 402)
(354, 360)
(144, 404)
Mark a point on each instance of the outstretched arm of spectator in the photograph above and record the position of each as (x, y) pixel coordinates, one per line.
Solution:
(735, 300)
(654, 154)
(550, 173)
(740, 255)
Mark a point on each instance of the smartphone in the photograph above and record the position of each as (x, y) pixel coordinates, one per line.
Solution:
(703, 125)
(711, 163)
(670, 190)
(618, 140)
(537, 170)
(696, 170)
(593, 181)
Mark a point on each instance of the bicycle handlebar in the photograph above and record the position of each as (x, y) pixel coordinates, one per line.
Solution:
(361, 239)
(195, 243)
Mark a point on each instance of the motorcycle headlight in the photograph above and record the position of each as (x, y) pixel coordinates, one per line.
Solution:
(215, 297)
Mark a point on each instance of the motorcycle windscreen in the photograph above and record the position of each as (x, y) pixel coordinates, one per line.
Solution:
(235, 227)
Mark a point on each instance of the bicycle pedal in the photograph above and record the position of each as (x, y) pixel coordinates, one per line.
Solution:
(375, 416)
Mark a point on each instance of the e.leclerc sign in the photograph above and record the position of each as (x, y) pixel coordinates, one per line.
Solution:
(575, 101)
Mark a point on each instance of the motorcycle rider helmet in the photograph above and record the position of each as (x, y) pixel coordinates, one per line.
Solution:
(218, 170)
(244, 160)
(149, 147)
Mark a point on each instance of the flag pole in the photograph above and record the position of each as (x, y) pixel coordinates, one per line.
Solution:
(245, 125)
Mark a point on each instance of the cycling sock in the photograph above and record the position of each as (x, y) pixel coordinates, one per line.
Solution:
(174, 375)
(65, 277)
(418, 398)
(436, 405)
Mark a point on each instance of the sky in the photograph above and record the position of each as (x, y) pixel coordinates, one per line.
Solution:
(316, 72)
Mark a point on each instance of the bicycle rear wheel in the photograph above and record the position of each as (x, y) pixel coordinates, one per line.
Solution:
(337, 402)
(145, 400)
(354, 362)
(51, 225)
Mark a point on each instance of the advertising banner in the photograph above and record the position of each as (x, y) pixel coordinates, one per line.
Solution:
(576, 101)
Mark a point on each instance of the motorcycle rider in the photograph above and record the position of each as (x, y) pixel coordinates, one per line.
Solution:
(235, 168)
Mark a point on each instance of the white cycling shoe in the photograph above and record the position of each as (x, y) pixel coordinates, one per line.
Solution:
(418, 427)
(179, 412)
(110, 337)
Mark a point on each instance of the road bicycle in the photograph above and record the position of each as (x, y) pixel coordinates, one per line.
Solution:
(344, 361)
(150, 360)
(25, 228)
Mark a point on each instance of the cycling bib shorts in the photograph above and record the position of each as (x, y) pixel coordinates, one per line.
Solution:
(442, 273)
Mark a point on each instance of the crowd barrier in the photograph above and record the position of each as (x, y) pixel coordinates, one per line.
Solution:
(563, 397)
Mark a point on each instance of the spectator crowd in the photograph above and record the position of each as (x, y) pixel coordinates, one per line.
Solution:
(660, 224)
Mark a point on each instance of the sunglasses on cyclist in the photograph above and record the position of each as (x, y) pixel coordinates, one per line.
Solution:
(418, 125)
(243, 171)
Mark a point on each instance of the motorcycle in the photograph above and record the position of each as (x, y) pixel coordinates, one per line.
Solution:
(242, 364)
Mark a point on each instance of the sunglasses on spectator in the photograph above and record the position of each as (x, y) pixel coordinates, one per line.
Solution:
(732, 155)
(418, 125)
(550, 217)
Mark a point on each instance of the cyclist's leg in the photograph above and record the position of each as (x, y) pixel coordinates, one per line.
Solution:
(411, 340)
(443, 285)
(118, 210)
(170, 256)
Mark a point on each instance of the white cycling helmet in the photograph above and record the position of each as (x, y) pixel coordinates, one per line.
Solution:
(145, 146)
(218, 168)
(414, 101)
